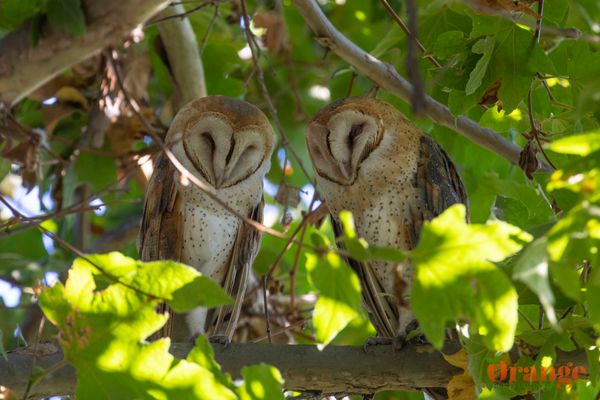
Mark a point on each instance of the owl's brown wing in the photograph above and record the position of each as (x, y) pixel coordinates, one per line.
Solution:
(222, 321)
(160, 231)
(438, 184)
(383, 313)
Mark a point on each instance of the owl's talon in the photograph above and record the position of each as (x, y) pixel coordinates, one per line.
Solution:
(377, 341)
(398, 343)
(223, 340)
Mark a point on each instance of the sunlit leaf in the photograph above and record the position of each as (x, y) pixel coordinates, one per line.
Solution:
(339, 295)
(455, 277)
(582, 145)
(532, 268)
(261, 382)
(181, 286)
(102, 332)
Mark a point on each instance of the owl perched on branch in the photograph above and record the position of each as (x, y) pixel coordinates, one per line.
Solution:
(374, 162)
(227, 144)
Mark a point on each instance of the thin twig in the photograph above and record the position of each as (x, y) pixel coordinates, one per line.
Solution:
(404, 28)
(38, 219)
(535, 132)
(291, 240)
(265, 92)
(265, 300)
(527, 320)
(294, 270)
(36, 341)
(538, 26)
(351, 84)
(209, 28)
(284, 330)
(74, 208)
(78, 252)
(184, 14)
(412, 62)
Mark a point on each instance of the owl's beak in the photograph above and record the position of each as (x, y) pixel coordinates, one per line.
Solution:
(346, 170)
(219, 179)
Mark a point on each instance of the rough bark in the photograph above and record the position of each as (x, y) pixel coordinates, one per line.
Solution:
(386, 77)
(335, 369)
(24, 67)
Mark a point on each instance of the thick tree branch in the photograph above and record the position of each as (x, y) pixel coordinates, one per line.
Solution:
(184, 58)
(24, 67)
(386, 76)
(336, 369)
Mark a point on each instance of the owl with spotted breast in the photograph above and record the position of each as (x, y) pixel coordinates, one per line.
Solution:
(227, 145)
(371, 160)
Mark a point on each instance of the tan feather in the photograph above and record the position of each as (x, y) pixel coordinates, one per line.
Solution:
(370, 159)
(223, 320)
(227, 144)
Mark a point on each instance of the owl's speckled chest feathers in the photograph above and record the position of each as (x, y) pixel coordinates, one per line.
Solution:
(210, 231)
(381, 199)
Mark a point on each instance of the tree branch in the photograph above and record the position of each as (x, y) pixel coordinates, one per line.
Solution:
(386, 76)
(336, 369)
(184, 58)
(24, 67)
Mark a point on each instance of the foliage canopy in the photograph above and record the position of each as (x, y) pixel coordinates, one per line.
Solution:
(524, 274)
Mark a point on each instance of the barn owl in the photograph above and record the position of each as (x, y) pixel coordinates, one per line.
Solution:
(226, 144)
(370, 160)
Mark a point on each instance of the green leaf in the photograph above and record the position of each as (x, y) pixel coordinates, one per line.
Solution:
(486, 48)
(102, 333)
(538, 210)
(479, 357)
(582, 144)
(531, 268)
(67, 15)
(27, 243)
(348, 224)
(98, 171)
(516, 58)
(592, 295)
(181, 286)
(449, 44)
(4, 168)
(391, 39)
(14, 12)
(455, 277)
(339, 295)
(359, 249)
(556, 10)
(571, 242)
(261, 382)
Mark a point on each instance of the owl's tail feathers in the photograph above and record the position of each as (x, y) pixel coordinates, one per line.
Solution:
(225, 318)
